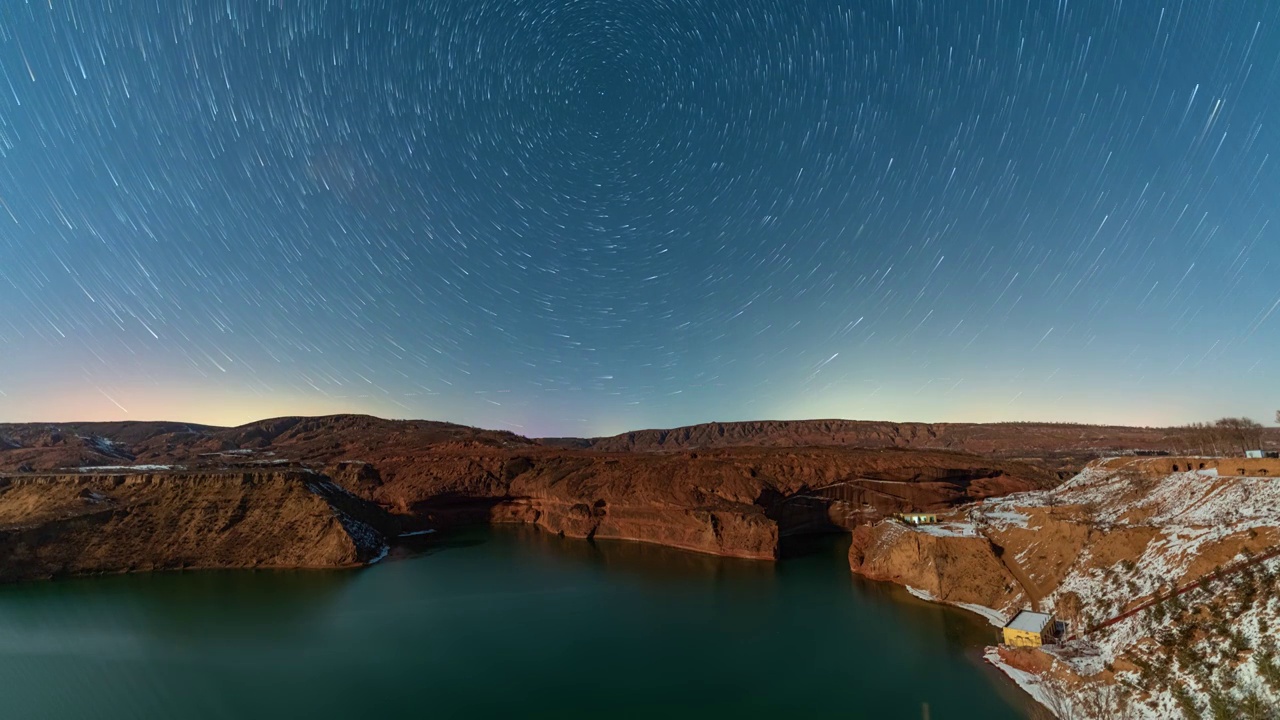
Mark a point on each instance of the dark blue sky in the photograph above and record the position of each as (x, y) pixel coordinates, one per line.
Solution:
(580, 217)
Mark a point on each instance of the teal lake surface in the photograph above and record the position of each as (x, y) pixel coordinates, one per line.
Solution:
(498, 623)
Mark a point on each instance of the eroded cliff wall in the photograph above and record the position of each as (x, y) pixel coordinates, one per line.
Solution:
(72, 524)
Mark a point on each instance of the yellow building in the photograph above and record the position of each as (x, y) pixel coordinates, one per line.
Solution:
(1029, 629)
(914, 518)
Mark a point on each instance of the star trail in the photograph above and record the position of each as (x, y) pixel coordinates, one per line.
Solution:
(585, 216)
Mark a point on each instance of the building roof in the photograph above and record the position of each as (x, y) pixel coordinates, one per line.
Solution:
(1029, 621)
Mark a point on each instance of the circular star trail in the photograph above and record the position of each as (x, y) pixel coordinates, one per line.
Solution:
(583, 216)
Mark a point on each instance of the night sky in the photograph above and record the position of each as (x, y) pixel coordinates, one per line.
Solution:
(585, 216)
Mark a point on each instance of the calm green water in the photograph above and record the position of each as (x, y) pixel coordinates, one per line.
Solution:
(509, 623)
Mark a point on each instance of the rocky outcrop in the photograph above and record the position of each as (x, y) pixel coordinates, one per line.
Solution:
(73, 524)
(946, 565)
(730, 530)
(733, 501)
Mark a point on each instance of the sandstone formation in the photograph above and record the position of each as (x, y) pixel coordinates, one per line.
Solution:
(737, 501)
(71, 524)
(952, 567)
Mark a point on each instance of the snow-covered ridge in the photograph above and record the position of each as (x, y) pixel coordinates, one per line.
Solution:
(105, 446)
(1125, 533)
(367, 538)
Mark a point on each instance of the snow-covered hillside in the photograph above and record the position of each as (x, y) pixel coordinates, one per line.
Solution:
(1167, 581)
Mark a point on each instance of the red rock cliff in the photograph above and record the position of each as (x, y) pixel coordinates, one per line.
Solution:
(56, 525)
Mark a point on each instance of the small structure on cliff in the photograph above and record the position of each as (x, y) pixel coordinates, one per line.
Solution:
(1030, 629)
(917, 518)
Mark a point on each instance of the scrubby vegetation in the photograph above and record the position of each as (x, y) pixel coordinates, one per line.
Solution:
(1213, 648)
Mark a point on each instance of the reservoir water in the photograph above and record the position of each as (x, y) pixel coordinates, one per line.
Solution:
(498, 623)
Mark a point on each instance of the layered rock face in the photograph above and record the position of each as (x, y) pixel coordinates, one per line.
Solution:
(737, 501)
(952, 567)
(72, 524)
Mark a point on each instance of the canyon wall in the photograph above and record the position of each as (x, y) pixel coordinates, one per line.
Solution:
(74, 524)
(735, 501)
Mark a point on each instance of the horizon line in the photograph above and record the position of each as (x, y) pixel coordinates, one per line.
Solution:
(624, 432)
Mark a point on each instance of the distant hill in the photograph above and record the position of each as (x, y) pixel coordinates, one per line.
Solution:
(1062, 447)
(985, 438)
(52, 446)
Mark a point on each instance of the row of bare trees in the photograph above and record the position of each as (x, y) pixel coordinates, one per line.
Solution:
(1221, 437)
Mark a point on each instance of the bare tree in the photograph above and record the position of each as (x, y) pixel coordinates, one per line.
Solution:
(1056, 697)
(1241, 432)
(1202, 438)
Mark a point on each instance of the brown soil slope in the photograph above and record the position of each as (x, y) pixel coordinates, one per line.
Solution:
(55, 525)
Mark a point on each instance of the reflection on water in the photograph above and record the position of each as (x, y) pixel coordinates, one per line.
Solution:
(645, 560)
(496, 623)
(177, 605)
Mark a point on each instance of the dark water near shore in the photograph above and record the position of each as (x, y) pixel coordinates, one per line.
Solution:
(497, 623)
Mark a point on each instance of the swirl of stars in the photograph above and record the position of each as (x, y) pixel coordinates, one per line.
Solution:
(584, 216)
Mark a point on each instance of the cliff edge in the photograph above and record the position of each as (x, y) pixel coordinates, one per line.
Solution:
(83, 523)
